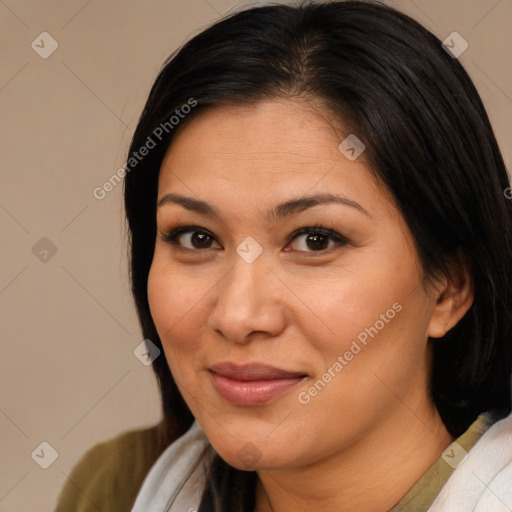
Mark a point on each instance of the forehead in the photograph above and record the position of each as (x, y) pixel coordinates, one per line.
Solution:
(280, 142)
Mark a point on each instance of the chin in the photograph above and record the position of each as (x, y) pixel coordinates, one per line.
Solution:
(250, 453)
(250, 457)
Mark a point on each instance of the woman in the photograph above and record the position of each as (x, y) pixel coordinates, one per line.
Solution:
(321, 249)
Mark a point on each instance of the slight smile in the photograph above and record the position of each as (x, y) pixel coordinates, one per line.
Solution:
(252, 384)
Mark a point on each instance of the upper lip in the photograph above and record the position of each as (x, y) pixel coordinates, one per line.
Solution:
(253, 371)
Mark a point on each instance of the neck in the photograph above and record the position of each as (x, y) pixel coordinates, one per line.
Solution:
(372, 475)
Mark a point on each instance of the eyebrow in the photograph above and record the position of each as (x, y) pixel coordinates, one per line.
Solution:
(280, 211)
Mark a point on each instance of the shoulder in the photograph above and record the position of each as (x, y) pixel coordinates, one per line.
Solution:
(109, 474)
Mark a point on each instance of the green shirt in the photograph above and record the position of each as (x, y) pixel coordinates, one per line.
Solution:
(108, 477)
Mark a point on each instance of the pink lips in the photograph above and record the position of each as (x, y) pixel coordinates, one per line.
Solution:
(252, 384)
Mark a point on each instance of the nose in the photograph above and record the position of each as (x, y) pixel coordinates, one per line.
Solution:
(248, 303)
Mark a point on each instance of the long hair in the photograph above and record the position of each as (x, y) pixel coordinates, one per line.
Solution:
(428, 140)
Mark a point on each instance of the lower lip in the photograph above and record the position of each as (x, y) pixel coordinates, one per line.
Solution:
(252, 392)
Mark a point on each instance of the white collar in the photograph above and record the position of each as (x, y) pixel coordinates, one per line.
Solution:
(163, 483)
(483, 481)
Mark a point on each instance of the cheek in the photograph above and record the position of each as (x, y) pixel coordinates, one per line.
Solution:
(177, 304)
(339, 308)
(374, 351)
(374, 316)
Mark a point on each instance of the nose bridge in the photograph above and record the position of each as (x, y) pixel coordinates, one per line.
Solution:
(244, 302)
(245, 284)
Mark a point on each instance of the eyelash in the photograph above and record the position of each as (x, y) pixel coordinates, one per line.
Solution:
(317, 229)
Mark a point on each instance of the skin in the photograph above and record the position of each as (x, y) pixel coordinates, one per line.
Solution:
(364, 440)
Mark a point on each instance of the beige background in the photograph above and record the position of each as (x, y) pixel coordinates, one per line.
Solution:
(68, 375)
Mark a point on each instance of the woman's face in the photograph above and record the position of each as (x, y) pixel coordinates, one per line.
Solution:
(254, 280)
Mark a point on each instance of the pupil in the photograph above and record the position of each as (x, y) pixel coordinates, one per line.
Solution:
(316, 241)
(200, 240)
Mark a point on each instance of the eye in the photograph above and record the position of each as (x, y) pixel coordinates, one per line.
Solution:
(316, 239)
(191, 237)
(307, 239)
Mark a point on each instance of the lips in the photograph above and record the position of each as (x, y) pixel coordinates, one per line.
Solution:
(252, 384)
(253, 372)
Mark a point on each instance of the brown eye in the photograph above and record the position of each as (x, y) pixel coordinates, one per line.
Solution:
(316, 239)
(189, 238)
(200, 240)
(313, 242)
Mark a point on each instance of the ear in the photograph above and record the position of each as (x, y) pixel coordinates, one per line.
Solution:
(453, 296)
